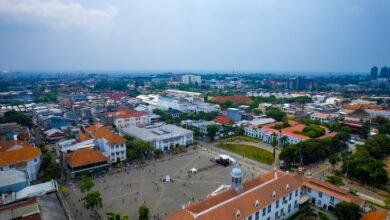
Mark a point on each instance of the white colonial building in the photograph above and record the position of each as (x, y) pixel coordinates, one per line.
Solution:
(162, 136)
(272, 196)
(20, 155)
(132, 119)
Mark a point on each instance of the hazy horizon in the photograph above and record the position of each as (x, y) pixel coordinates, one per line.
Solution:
(194, 36)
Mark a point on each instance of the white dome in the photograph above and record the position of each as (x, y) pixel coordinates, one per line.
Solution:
(236, 172)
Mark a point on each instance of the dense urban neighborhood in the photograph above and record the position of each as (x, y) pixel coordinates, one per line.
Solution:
(183, 146)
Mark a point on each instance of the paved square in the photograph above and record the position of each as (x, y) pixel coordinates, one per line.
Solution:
(123, 192)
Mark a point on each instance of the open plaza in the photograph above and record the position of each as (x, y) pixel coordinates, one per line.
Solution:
(125, 189)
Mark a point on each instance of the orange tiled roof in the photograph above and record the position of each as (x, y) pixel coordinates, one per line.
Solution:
(235, 99)
(132, 115)
(361, 106)
(222, 119)
(84, 156)
(290, 131)
(17, 152)
(331, 190)
(98, 132)
(261, 188)
(110, 136)
(225, 204)
(82, 136)
(330, 135)
(377, 215)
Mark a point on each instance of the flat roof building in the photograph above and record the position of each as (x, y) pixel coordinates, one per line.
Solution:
(162, 136)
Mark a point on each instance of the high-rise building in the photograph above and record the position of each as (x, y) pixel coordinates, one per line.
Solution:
(374, 72)
(187, 79)
(385, 72)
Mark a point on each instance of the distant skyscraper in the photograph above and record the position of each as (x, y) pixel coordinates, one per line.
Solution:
(187, 79)
(385, 72)
(374, 72)
(300, 83)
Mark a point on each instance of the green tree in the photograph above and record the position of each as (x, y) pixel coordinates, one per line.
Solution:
(212, 131)
(18, 117)
(143, 212)
(158, 153)
(346, 211)
(86, 184)
(92, 201)
(334, 159)
(276, 114)
(364, 132)
(257, 111)
(116, 216)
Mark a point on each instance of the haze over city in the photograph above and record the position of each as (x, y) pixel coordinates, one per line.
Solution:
(304, 35)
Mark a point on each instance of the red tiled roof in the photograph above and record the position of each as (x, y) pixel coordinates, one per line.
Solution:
(376, 215)
(330, 135)
(132, 115)
(235, 99)
(361, 106)
(225, 204)
(17, 152)
(84, 156)
(223, 119)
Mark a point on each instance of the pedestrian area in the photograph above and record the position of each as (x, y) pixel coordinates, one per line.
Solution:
(163, 185)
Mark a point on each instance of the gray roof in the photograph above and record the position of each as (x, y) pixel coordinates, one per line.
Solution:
(10, 177)
(156, 132)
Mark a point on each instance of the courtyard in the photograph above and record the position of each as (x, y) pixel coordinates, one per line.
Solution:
(125, 189)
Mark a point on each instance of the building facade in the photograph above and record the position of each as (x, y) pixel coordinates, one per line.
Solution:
(162, 136)
(20, 155)
(132, 119)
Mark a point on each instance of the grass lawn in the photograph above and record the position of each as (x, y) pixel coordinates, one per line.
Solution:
(242, 138)
(249, 151)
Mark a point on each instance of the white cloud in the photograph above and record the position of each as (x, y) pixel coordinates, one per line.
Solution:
(56, 13)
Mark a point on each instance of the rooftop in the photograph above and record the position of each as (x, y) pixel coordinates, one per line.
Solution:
(155, 132)
(84, 156)
(17, 151)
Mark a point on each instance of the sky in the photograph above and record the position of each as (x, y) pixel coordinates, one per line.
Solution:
(185, 35)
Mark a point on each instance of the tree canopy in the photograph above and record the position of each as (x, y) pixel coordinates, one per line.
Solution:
(276, 114)
(346, 211)
(18, 117)
(212, 131)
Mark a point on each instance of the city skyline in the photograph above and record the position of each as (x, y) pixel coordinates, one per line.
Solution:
(254, 36)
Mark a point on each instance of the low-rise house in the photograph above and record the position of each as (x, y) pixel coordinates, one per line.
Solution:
(20, 155)
(85, 161)
(199, 125)
(162, 136)
(223, 120)
(112, 145)
(132, 119)
(322, 117)
(53, 135)
(12, 131)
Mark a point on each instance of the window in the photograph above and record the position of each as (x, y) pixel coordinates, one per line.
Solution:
(269, 208)
(250, 218)
(277, 204)
(257, 216)
(289, 196)
(289, 208)
(296, 204)
(308, 190)
(332, 199)
(35, 159)
(264, 212)
(296, 193)
(320, 194)
(319, 202)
